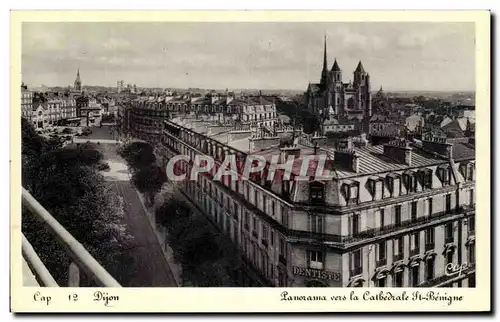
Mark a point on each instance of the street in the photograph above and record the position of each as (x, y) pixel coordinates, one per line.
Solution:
(151, 269)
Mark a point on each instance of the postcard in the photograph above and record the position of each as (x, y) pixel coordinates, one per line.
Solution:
(250, 161)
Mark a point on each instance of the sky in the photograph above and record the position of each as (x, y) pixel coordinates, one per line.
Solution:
(281, 55)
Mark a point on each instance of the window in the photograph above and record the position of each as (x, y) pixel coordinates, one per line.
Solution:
(284, 218)
(471, 197)
(273, 208)
(264, 203)
(429, 206)
(429, 238)
(254, 223)
(415, 275)
(379, 190)
(317, 192)
(355, 262)
(235, 210)
(429, 268)
(248, 191)
(315, 259)
(272, 238)
(449, 257)
(414, 211)
(398, 215)
(398, 245)
(247, 220)
(449, 233)
(398, 279)
(282, 246)
(382, 218)
(256, 198)
(448, 202)
(381, 251)
(445, 176)
(415, 243)
(471, 225)
(472, 280)
(355, 224)
(281, 277)
(381, 282)
(316, 224)
(472, 253)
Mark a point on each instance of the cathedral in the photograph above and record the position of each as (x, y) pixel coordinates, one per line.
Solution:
(331, 97)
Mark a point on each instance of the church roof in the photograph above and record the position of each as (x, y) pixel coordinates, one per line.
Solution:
(335, 67)
(360, 68)
(315, 88)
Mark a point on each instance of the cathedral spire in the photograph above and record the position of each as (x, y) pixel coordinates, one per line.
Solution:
(325, 62)
(324, 72)
(78, 82)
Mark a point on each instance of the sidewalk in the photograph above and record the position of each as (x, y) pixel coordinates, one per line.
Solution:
(161, 234)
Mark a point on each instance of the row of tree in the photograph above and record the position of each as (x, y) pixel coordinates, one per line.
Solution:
(66, 181)
(147, 176)
(207, 256)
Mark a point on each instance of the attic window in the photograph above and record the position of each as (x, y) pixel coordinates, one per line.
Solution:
(316, 192)
(467, 171)
(350, 192)
(393, 183)
(376, 187)
(425, 177)
(409, 181)
(444, 174)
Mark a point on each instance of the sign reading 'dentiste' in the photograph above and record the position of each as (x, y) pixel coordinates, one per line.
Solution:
(316, 273)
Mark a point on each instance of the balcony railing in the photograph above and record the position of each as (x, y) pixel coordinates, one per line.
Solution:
(81, 258)
(374, 232)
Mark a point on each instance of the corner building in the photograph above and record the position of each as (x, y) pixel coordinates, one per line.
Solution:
(393, 215)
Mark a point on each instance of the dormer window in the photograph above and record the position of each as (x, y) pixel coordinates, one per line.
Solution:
(467, 171)
(409, 181)
(376, 187)
(350, 191)
(444, 174)
(425, 178)
(393, 183)
(316, 192)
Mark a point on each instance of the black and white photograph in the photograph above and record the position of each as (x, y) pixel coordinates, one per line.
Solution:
(267, 154)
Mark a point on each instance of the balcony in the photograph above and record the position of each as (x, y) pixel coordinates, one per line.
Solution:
(35, 272)
(387, 229)
(429, 246)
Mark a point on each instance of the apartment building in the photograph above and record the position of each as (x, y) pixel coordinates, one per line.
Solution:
(392, 216)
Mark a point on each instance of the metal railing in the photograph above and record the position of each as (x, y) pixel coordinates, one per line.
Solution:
(81, 258)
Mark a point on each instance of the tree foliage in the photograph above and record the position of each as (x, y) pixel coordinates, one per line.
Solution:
(207, 257)
(137, 154)
(149, 180)
(65, 182)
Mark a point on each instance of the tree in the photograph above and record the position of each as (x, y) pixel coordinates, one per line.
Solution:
(137, 154)
(310, 122)
(148, 180)
(79, 198)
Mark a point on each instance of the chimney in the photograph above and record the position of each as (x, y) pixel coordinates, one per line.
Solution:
(347, 158)
(287, 151)
(438, 145)
(398, 150)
